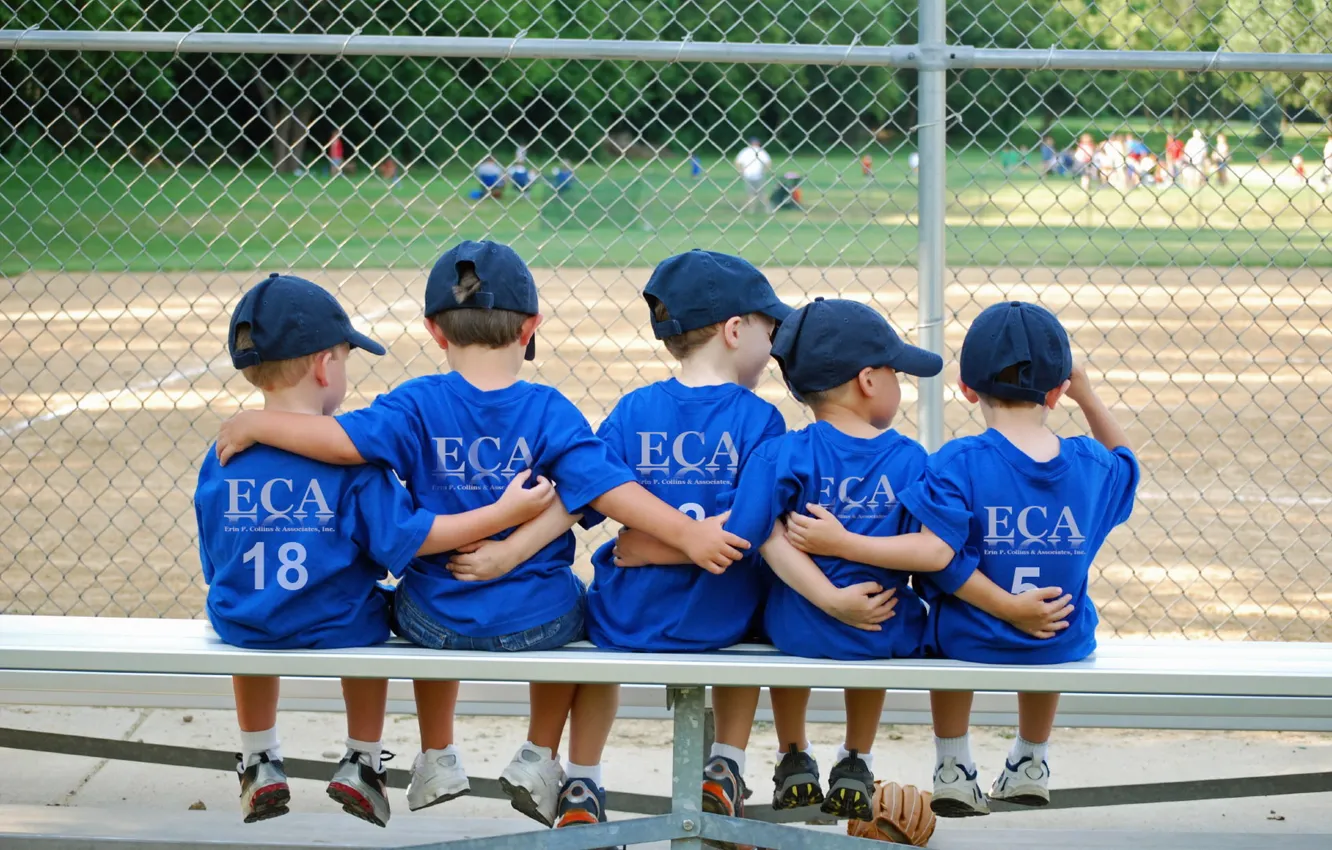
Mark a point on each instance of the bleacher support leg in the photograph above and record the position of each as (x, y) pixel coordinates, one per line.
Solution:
(687, 764)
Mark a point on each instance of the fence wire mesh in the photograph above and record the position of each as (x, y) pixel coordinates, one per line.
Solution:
(143, 192)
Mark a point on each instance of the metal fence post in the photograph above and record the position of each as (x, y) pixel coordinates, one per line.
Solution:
(687, 770)
(932, 140)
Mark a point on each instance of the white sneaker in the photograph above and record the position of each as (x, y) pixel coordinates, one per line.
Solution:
(956, 794)
(533, 781)
(437, 777)
(1025, 783)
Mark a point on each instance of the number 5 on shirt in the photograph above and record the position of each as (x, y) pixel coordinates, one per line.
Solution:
(1020, 576)
(291, 559)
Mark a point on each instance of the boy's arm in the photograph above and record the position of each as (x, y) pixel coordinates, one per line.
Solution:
(863, 606)
(316, 437)
(1041, 613)
(1105, 429)
(639, 549)
(823, 534)
(704, 543)
(490, 559)
(517, 505)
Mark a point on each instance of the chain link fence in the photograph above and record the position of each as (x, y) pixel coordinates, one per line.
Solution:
(1158, 175)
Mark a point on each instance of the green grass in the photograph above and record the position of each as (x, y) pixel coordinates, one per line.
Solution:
(63, 216)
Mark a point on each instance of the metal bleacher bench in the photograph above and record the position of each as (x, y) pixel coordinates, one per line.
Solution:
(1247, 678)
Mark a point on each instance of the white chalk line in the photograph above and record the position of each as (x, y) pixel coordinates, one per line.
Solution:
(95, 400)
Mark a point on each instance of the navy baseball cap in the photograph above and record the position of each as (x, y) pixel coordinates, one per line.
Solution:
(291, 317)
(506, 283)
(1016, 334)
(826, 343)
(702, 288)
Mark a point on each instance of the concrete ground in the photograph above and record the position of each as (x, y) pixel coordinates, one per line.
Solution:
(638, 760)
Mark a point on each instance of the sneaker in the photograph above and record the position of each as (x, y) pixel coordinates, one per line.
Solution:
(437, 777)
(796, 781)
(264, 791)
(1025, 783)
(724, 793)
(582, 802)
(850, 789)
(362, 790)
(532, 782)
(956, 794)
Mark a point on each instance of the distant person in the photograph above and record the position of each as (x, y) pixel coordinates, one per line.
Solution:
(1137, 153)
(867, 166)
(520, 155)
(1009, 159)
(520, 177)
(1221, 159)
(1049, 156)
(491, 175)
(695, 166)
(1297, 163)
(1174, 156)
(1084, 158)
(562, 178)
(336, 153)
(1327, 162)
(389, 170)
(753, 163)
(1195, 160)
(913, 162)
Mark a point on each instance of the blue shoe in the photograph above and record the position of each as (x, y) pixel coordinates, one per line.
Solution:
(582, 802)
(724, 793)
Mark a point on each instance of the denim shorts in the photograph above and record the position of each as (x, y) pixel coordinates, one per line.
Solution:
(410, 622)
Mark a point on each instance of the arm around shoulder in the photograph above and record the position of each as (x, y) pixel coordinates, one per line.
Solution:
(317, 437)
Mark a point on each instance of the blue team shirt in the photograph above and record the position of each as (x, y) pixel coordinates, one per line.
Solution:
(457, 447)
(858, 481)
(687, 446)
(1024, 524)
(292, 548)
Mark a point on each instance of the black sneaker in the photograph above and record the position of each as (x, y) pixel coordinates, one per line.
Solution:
(796, 781)
(850, 789)
(264, 791)
(361, 790)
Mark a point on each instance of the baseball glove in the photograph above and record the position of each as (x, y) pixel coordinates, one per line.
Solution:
(901, 816)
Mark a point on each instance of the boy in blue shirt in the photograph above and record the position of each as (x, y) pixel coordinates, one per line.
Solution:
(292, 548)
(842, 359)
(457, 440)
(1011, 507)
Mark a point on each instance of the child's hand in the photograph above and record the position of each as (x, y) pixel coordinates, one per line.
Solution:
(1041, 613)
(482, 561)
(521, 503)
(712, 547)
(630, 548)
(234, 437)
(1079, 385)
(818, 534)
(863, 606)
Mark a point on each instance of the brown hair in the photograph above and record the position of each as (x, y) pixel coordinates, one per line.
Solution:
(473, 326)
(688, 343)
(280, 374)
(1010, 375)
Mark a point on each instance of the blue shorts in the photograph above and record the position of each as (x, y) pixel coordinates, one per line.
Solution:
(410, 622)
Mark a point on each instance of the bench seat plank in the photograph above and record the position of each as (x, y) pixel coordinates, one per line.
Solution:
(1207, 668)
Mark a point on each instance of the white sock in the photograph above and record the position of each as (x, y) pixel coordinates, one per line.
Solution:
(735, 754)
(590, 772)
(372, 749)
(254, 743)
(1022, 748)
(867, 758)
(957, 748)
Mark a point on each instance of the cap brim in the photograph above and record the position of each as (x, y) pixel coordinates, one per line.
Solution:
(917, 361)
(365, 343)
(778, 311)
(530, 354)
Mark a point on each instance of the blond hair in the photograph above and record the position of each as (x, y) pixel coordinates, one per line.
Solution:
(280, 374)
(473, 326)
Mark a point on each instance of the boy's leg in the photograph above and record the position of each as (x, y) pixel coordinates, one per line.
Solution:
(583, 798)
(724, 773)
(264, 790)
(1025, 779)
(851, 781)
(437, 774)
(796, 780)
(532, 781)
(956, 792)
(359, 783)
